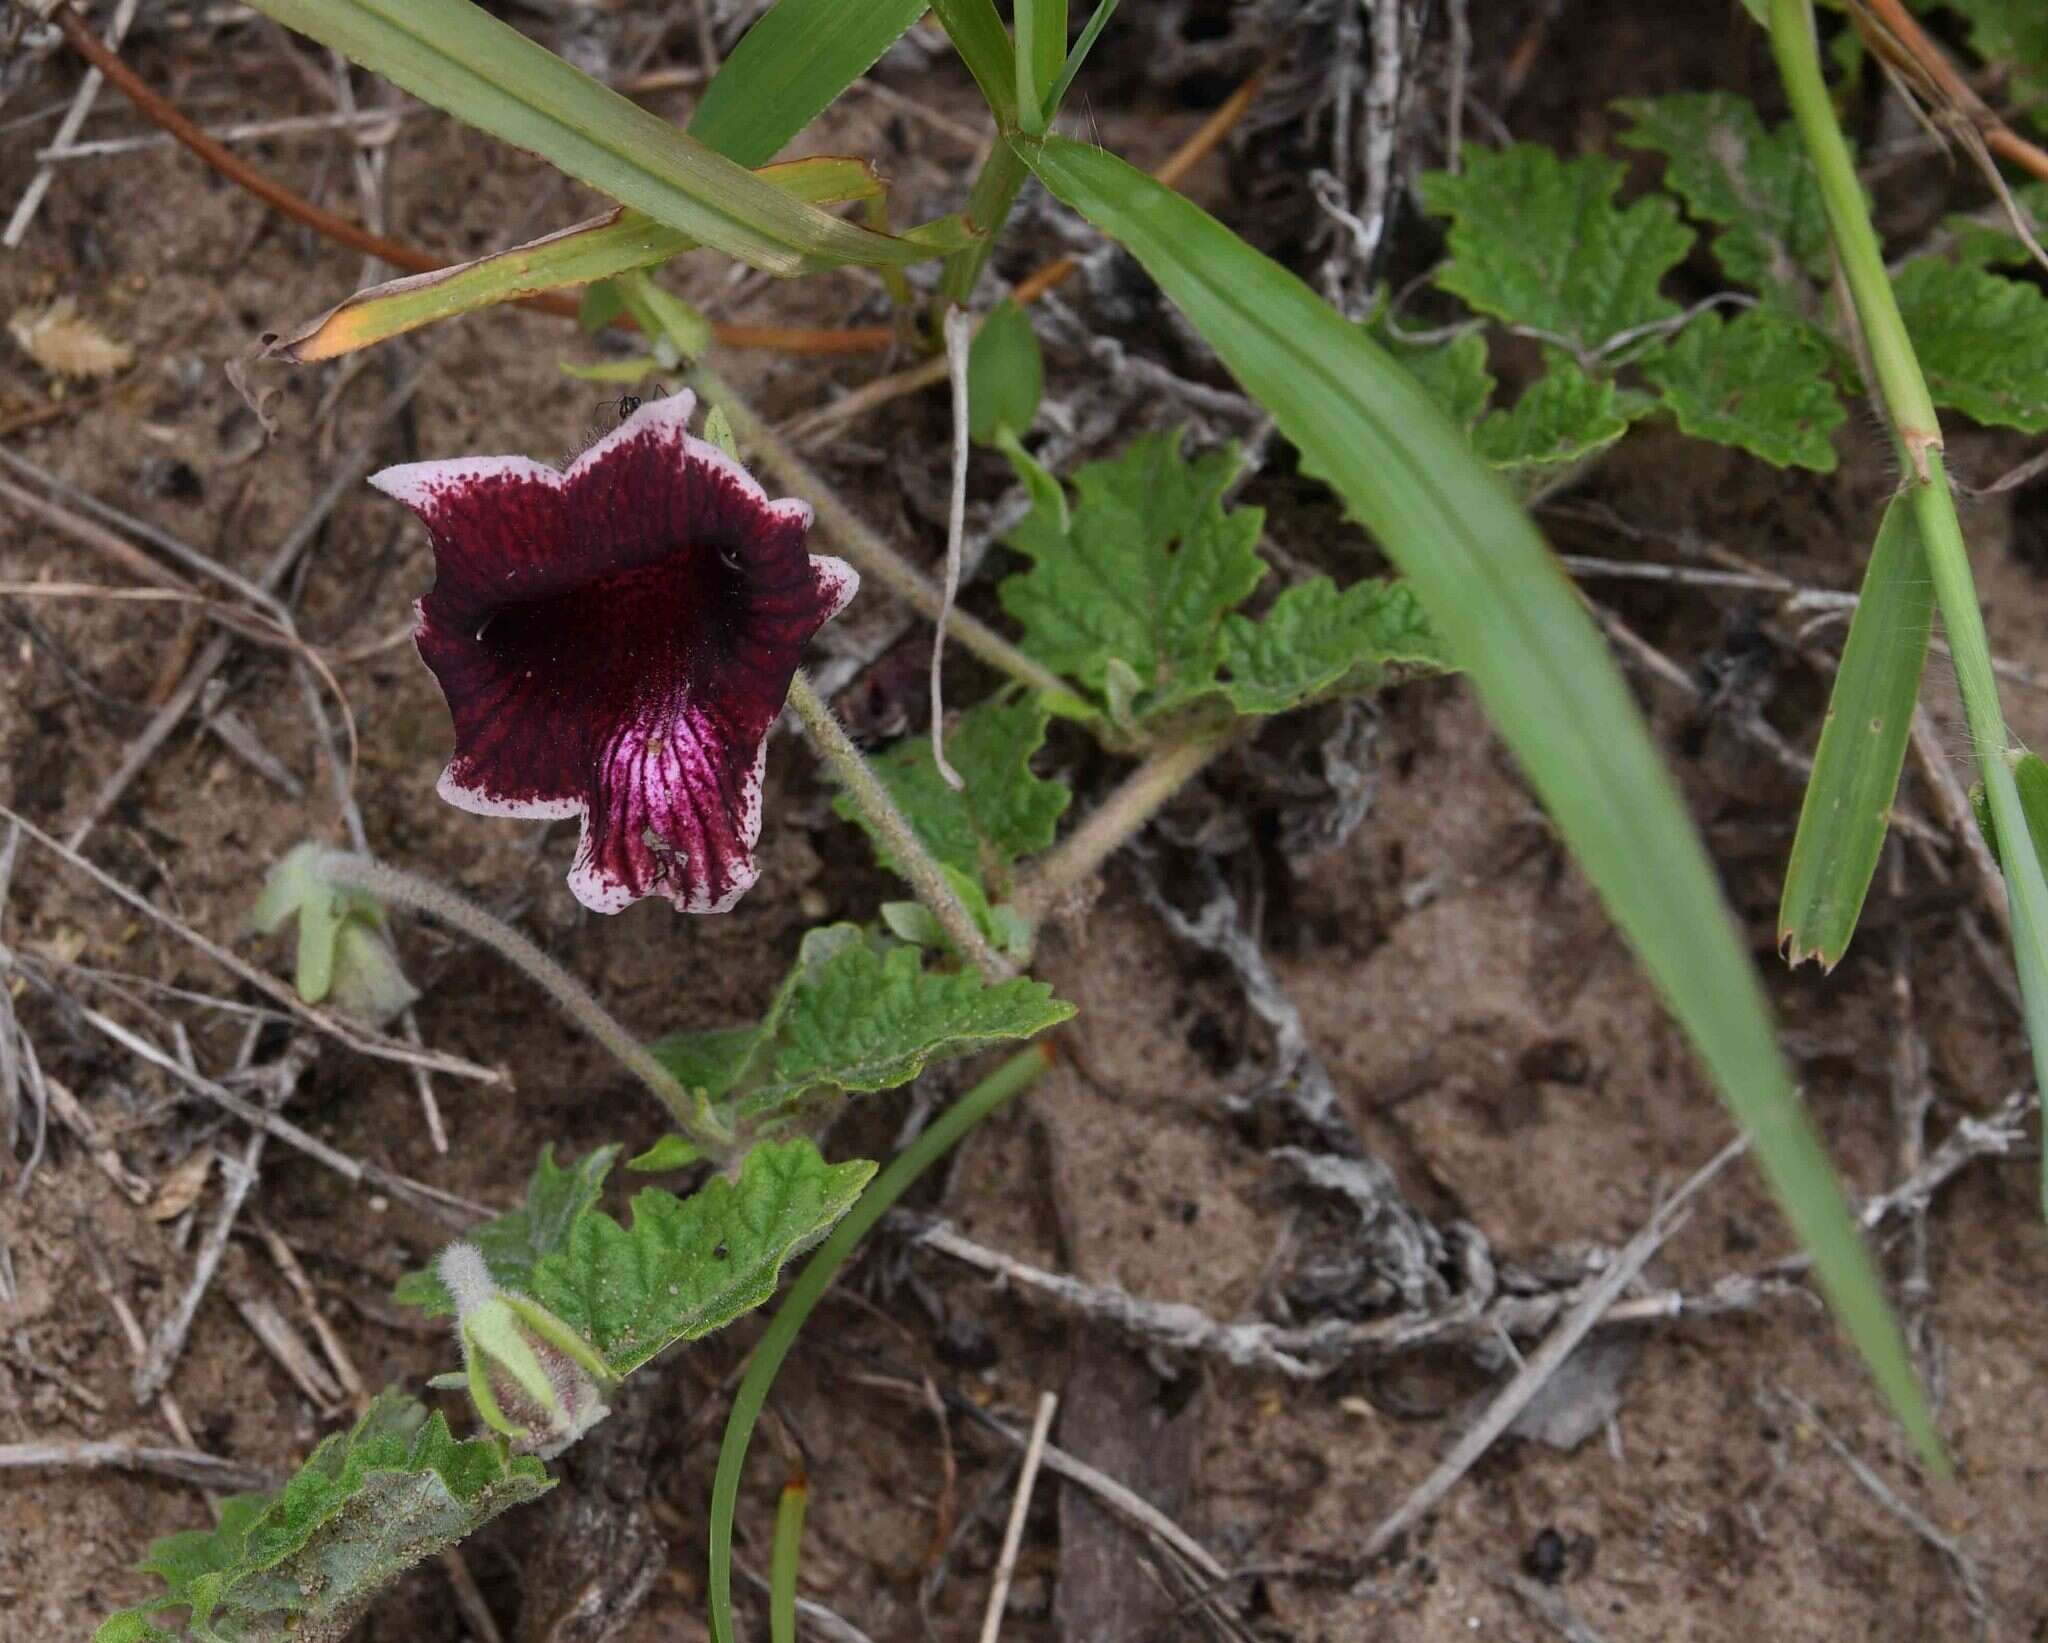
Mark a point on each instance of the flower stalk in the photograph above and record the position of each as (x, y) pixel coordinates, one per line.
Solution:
(1113, 823)
(576, 1001)
(864, 548)
(865, 788)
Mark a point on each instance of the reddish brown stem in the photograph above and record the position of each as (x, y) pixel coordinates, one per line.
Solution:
(868, 339)
(1927, 57)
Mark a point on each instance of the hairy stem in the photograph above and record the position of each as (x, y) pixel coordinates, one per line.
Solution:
(906, 849)
(862, 546)
(1116, 820)
(1904, 388)
(394, 884)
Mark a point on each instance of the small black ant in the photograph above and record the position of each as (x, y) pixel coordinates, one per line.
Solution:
(628, 404)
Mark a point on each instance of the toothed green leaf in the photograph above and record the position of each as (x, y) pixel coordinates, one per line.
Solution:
(1538, 241)
(1982, 341)
(513, 1243)
(2013, 33)
(1758, 184)
(366, 1506)
(859, 1016)
(1002, 812)
(1453, 373)
(1143, 573)
(1317, 640)
(1561, 417)
(1759, 382)
(680, 1267)
(1988, 240)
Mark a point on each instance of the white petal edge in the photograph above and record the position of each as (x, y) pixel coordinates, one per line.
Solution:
(479, 803)
(419, 485)
(839, 580)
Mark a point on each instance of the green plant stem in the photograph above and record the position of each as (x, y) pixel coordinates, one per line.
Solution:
(863, 548)
(988, 208)
(782, 1562)
(1113, 822)
(393, 884)
(1906, 398)
(939, 1138)
(828, 737)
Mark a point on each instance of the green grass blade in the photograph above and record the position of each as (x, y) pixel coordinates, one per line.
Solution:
(790, 67)
(1010, 1079)
(1848, 804)
(1041, 49)
(984, 45)
(1516, 625)
(458, 57)
(1097, 22)
(1907, 401)
(782, 1561)
(613, 244)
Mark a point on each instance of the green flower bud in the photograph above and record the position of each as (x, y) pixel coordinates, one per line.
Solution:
(529, 1374)
(344, 950)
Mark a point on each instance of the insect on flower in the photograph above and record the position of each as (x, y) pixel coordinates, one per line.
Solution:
(614, 642)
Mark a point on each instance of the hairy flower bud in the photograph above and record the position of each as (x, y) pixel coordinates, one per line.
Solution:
(344, 953)
(530, 1375)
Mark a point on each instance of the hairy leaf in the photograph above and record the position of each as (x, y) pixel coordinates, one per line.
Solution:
(1759, 382)
(1453, 373)
(1317, 639)
(1987, 240)
(680, 1267)
(1561, 417)
(1982, 341)
(1538, 241)
(858, 1016)
(1143, 573)
(366, 1506)
(1758, 184)
(515, 1242)
(1002, 812)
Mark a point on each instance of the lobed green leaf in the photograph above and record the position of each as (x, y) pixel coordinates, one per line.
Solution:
(1318, 641)
(367, 1505)
(1759, 382)
(1002, 812)
(1982, 341)
(1538, 241)
(857, 1015)
(679, 1268)
(1563, 416)
(1142, 574)
(1757, 183)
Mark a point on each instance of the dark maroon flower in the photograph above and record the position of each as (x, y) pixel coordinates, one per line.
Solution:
(615, 642)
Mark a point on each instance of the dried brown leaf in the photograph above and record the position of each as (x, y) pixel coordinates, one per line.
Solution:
(65, 343)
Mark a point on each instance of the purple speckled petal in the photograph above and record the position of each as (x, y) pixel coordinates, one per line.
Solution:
(615, 642)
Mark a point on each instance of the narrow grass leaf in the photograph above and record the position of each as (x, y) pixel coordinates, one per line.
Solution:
(984, 46)
(790, 67)
(458, 57)
(1513, 621)
(1847, 811)
(579, 255)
